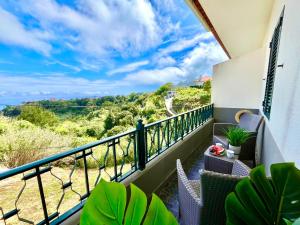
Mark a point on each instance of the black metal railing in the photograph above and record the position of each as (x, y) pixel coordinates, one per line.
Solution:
(50, 190)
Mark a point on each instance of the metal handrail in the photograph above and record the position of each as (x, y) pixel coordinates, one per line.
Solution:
(177, 115)
(58, 156)
(145, 141)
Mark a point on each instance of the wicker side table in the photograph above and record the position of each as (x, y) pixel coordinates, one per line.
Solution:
(220, 164)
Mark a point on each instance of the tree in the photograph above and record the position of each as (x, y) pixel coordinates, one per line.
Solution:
(162, 90)
(207, 86)
(109, 122)
(38, 115)
(11, 111)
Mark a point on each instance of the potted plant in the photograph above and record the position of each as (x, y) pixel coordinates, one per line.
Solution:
(236, 137)
(263, 200)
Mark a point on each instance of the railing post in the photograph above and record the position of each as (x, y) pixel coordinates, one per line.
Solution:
(176, 129)
(182, 126)
(42, 195)
(87, 185)
(168, 133)
(158, 138)
(141, 147)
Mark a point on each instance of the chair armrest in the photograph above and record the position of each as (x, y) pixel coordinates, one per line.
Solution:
(214, 189)
(196, 186)
(219, 128)
(240, 169)
(248, 148)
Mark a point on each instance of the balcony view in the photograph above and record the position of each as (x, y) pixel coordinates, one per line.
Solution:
(149, 112)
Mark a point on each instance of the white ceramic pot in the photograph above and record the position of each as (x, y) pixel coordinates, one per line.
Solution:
(236, 149)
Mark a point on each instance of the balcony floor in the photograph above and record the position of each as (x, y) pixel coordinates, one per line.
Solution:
(168, 192)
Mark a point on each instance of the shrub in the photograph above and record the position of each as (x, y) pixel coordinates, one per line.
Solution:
(79, 141)
(3, 124)
(38, 115)
(23, 124)
(19, 147)
(205, 99)
(207, 86)
(164, 89)
(116, 130)
(109, 122)
(69, 127)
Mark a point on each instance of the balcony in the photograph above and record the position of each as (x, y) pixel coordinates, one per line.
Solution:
(53, 190)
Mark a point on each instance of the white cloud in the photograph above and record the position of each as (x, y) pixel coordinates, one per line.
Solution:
(156, 76)
(128, 68)
(197, 62)
(69, 66)
(186, 43)
(90, 64)
(165, 61)
(201, 59)
(100, 27)
(14, 33)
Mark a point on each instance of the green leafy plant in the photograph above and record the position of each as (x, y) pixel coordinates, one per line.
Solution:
(264, 201)
(237, 136)
(289, 222)
(107, 203)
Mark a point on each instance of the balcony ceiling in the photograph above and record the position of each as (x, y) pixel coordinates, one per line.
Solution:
(239, 25)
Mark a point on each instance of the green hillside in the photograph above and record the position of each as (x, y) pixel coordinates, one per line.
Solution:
(36, 129)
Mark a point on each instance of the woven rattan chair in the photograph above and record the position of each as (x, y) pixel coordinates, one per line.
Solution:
(249, 122)
(202, 201)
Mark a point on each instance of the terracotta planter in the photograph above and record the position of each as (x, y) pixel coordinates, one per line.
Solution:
(236, 149)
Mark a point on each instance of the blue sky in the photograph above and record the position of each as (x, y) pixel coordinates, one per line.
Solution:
(88, 48)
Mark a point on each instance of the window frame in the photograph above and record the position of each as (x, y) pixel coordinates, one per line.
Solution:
(272, 65)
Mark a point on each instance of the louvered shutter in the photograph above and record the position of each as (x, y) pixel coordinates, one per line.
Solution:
(274, 45)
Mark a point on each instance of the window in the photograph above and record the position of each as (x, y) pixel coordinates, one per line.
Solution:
(274, 45)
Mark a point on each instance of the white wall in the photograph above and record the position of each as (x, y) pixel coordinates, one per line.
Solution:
(237, 83)
(284, 123)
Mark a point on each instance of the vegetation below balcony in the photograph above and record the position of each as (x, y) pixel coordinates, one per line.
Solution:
(37, 129)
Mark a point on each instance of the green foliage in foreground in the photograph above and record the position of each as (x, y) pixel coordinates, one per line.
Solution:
(237, 136)
(262, 201)
(289, 222)
(107, 204)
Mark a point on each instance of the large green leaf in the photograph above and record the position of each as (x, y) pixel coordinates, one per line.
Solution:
(106, 205)
(158, 214)
(136, 207)
(289, 222)
(297, 222)
(107, 202)
(265, 201)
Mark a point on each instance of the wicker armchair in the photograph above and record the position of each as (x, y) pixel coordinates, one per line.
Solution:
(249, 122)
(202, 201)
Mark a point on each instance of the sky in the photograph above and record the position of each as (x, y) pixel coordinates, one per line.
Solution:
(89, 48)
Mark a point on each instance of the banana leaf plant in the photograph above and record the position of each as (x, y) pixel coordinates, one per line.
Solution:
(289, 222)
(261, 200)
(107, 203)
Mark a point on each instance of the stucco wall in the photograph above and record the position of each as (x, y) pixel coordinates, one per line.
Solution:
(284, 123)
(240, 83)
(227, 115)
(237, 83)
